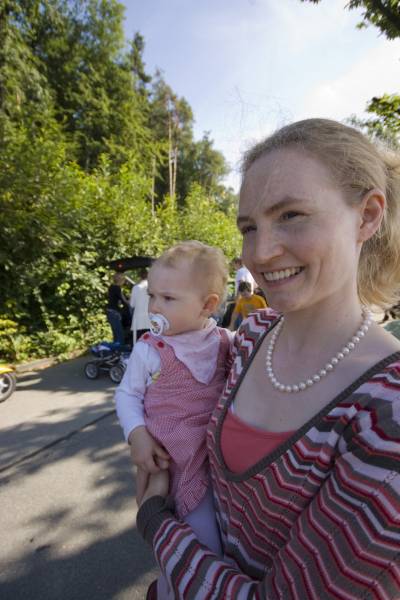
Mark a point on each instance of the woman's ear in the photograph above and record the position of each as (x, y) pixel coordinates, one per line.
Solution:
(210, 304)
(371, 214)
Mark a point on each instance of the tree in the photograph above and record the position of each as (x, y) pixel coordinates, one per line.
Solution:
(204, 165)
(86, 135)
(385, 125)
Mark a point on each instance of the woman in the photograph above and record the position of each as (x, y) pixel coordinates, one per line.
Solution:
(304, 444)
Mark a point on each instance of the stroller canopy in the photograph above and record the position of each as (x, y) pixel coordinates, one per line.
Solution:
(132, 262)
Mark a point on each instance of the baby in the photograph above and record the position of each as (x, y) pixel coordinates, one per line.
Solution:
(174, 377)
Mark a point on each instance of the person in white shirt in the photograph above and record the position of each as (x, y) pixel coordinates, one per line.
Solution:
(242, 274)
(139, 302)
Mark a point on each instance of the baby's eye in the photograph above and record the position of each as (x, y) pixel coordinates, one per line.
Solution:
(168, 298)
(150, 295)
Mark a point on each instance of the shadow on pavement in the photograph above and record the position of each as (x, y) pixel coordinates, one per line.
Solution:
(87, 482)
(50, 405)
(101, 571)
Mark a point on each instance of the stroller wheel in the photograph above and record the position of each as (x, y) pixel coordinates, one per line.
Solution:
(91, 370)
(116, 373)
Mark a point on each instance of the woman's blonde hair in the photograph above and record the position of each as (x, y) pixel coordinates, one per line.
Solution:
(208, 264)
(357, 166)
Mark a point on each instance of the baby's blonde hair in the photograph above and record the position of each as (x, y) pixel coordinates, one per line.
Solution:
(357, 166)
(208, 264)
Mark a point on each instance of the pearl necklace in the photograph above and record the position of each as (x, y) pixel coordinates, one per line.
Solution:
(329, 367)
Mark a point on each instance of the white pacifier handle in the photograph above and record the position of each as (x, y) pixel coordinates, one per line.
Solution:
(158, 324)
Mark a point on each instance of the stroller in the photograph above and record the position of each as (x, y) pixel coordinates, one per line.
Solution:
(111, 358)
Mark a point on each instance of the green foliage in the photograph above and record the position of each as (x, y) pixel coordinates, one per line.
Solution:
(203, 220)
(85, 137)
(385, 125)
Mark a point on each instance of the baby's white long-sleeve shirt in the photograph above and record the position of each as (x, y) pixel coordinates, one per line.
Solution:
(143, 365)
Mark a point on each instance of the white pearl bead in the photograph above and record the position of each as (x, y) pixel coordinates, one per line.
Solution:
(329, 367)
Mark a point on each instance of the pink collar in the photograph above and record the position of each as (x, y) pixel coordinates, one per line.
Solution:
(198, 350)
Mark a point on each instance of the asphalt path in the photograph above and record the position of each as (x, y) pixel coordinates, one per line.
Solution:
(67, 508)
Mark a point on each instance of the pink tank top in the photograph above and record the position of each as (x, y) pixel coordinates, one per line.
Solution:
(243, 445)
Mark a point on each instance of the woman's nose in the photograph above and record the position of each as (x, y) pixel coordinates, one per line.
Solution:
(267, 246)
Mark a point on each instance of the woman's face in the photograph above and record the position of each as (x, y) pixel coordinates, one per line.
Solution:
(300, 237)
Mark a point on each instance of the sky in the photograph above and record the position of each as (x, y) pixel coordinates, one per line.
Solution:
(247, 67)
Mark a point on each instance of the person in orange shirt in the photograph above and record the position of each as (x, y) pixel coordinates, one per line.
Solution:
(246, 304)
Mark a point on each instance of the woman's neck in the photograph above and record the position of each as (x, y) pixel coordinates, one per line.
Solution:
(330, 326)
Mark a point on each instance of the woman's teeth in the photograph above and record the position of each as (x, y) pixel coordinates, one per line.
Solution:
(283, 274)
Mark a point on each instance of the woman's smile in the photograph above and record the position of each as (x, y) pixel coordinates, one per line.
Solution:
(281, 275)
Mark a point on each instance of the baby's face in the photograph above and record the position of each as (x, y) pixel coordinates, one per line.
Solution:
(175, 293)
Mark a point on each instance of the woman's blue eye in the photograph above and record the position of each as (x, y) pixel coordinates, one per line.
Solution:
(290, 214)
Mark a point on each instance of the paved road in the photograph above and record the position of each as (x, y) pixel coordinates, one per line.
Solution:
(67, 513)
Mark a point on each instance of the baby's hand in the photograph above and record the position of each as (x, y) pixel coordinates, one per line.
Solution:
(146, 453)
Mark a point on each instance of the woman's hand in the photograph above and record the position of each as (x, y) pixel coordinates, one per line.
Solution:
(158, 485)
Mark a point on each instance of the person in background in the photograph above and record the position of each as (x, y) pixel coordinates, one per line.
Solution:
(174, 378)
(246, 304)
(116, 304)
(139, 303)
(242, 274)
(304, 444)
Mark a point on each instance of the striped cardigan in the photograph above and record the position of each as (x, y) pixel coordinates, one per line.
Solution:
(319, 518)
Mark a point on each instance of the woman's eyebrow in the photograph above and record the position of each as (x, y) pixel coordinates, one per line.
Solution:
(279, 205)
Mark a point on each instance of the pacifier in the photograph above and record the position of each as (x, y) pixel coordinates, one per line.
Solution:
(158, 324)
